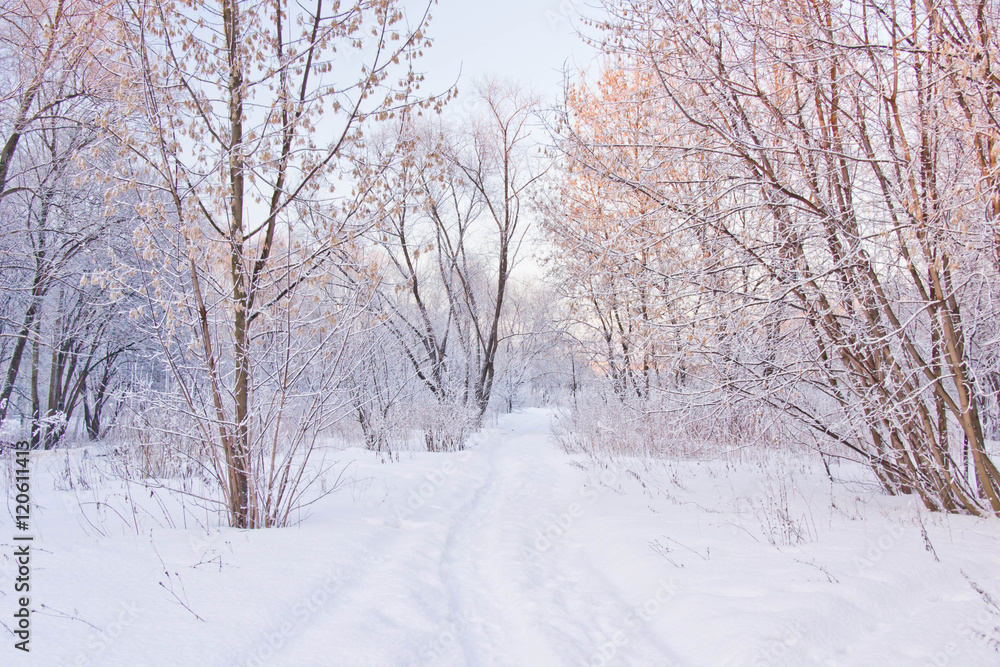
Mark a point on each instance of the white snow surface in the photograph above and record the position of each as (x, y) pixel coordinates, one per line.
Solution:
(513, 552)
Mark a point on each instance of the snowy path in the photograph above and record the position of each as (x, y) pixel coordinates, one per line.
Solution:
(474, 581)
(533, 598)
(513, 553)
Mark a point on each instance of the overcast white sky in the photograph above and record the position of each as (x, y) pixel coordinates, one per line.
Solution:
(527, 40)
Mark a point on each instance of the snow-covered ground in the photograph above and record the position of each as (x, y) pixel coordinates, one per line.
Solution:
(513, 552)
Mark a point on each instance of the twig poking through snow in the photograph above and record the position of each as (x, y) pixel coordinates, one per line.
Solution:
(664, 550)
(829, 577)
(982, 593)
(170, 579)
(927, 541)
(72, 617)
(706, 556)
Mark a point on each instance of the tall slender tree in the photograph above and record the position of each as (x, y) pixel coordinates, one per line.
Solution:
(244, 113)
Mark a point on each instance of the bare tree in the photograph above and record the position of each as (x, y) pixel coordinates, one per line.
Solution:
(451, 240)
(244, 112)
(829, 183)
(56, 234)
(51, 54)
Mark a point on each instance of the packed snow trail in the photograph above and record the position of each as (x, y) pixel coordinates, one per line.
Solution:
(512, 552)
(485, 571)
(533, 594)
